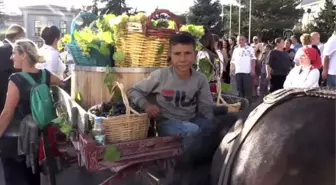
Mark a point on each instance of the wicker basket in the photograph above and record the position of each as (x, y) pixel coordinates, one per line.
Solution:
(232, 107)
(95, 58)
(125, 127)
(141, 46)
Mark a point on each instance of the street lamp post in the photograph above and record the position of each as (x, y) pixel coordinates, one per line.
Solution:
(239, 17)
(250, 21)
(230, 20)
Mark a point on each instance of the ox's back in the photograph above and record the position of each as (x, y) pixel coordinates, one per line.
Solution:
(292, 144)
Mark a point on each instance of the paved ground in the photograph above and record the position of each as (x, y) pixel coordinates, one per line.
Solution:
(76, 175)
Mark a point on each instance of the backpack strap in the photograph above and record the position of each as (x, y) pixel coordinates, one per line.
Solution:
(44, 77)
(28, 78)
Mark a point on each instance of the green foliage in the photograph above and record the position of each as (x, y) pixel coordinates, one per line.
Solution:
(269, 18)
(109, 79)
(62, 123)
(111, 153)
(207, 13)
(116, 7)
(206, 68)
(325, 22)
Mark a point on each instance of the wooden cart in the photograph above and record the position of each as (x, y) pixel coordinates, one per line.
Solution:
(135, 156)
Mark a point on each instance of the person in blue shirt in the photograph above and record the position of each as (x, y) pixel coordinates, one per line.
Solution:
(295, 44)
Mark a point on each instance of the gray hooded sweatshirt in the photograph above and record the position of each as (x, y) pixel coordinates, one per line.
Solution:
(177, 99)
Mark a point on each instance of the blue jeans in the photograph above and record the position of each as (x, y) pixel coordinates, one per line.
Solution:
(185, 129)
(331, 81)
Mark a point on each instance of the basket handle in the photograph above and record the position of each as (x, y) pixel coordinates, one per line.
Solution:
(220, 100)
(73, 23)
(173, 17)
(129, 109)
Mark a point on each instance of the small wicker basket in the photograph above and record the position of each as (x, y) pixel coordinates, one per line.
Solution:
(124, 127)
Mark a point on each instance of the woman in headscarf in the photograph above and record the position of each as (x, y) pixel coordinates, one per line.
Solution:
(306, 74)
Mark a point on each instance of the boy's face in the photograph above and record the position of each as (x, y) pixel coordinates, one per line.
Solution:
(182, 57)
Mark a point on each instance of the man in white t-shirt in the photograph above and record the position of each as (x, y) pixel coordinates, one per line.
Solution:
(315, 38)
(243, 65)
(329, 61)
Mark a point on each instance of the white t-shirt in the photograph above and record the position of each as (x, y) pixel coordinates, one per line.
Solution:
(53, 61)
(242, 58)
(302, 77)
(330, 50)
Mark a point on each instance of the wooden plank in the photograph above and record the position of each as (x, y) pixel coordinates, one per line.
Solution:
(133, 148)
(139, 159)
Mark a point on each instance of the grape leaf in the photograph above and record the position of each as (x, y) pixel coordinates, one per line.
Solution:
(58, 120)
(161, 49)
(66, 129)
(106, 37)
(205, 67)
(103, 49)
(111, 153)
(93, 45)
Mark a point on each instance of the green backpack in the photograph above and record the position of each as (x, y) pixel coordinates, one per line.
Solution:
(41, 102)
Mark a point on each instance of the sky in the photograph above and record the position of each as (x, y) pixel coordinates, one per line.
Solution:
(176, 6)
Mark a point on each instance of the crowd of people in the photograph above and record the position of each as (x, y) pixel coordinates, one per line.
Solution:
(256, 69)
(182, 92)
(20, 54)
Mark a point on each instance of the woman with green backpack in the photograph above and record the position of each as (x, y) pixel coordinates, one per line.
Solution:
(26, 92)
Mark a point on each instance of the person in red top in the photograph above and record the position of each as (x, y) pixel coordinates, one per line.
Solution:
(315, 57)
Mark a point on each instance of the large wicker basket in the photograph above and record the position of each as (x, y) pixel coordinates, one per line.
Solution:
(141, 46)
(131, 126)
(220, 101)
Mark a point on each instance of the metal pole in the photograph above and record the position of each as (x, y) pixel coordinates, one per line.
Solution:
(239, 18)
(230, 20)
(250, 20)
(223, 13)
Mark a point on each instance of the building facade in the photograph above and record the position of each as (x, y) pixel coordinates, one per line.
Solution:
(311, 10)
(34, 18)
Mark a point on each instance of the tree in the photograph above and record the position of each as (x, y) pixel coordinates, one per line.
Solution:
(94, 7)
(116, 7)
(207, 13)
(269, 18)
(325, 22)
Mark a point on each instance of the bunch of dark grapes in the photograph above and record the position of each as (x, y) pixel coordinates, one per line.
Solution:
(113, 108)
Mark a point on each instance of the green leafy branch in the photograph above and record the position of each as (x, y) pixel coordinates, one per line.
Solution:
(62, 123)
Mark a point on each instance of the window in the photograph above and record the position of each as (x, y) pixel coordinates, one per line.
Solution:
(63, 26)
(37, 28)
(50, 23)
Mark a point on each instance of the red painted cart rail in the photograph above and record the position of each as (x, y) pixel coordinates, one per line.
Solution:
(132, 153)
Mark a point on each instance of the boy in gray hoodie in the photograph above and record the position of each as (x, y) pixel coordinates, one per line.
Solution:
(184, 104)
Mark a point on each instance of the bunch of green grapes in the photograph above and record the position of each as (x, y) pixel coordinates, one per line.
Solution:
(84, 47)
(195, 30)
(171, 25)
(140, 17)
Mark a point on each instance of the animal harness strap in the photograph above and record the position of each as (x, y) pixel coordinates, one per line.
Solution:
(269, 101)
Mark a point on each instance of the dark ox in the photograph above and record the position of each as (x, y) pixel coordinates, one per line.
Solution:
(292, 144)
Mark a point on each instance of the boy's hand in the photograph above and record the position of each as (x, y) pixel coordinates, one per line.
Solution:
(152, 110)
